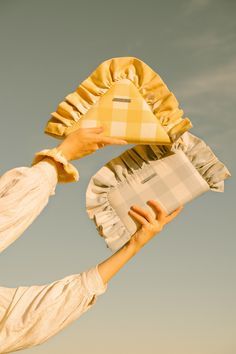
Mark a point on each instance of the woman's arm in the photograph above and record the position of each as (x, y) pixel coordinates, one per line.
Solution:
(25, 191)
(31, 315)
(149, 228)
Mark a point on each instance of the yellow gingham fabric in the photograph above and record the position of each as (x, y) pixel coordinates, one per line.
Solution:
(126, 96)
(124, 114)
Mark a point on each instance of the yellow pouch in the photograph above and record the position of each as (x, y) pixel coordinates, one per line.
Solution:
(127, 98)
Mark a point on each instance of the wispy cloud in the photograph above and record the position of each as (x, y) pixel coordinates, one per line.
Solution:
(209, 101)
(219, 80)
(195, 5)
(208, 40)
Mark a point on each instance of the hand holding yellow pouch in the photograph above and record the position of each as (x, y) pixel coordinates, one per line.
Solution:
(128, 98)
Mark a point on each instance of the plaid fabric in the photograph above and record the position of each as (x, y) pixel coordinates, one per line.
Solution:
(171, 176)
(130, 81)
(125, 114)
(171, 181)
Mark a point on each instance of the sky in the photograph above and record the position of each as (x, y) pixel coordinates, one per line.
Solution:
(177, 296)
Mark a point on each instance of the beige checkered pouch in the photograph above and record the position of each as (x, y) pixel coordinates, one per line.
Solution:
(170, 176)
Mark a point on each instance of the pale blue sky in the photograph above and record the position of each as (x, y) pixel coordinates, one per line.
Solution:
(177, 296)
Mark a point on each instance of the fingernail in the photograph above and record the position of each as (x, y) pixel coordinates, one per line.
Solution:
(150, 201)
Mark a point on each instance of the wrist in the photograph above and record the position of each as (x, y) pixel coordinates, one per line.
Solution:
(60, 148)
(133, 245)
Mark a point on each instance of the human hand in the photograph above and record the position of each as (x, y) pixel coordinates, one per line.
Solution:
(85, 141)
(150, 226)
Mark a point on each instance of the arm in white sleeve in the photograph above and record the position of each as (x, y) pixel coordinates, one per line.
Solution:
(31, 315)
(24, 193)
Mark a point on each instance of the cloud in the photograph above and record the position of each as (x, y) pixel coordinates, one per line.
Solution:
(195, 5)
(219, 80)
(209, 101)
(208, 40)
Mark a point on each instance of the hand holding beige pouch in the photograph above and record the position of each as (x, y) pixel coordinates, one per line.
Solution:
(173, 176)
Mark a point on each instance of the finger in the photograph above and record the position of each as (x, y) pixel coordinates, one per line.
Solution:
(92, 148)
(100, 146)
(110, 141)
(138, 217)
(174, 214)
(143, 212)
(94, 130)
(159, 210)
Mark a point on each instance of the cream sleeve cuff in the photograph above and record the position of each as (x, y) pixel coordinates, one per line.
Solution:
(66, 171)
(93, 281)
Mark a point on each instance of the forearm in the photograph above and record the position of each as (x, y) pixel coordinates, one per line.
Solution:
(108, 268)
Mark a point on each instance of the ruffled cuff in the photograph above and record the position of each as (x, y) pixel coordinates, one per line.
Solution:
(66, 171)
(93, 281)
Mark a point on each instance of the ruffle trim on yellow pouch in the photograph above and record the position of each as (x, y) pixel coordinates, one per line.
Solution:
(66, 171)
(154, 91)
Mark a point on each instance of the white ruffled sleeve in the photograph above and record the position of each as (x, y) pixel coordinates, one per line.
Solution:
(24, 193)
(31, 315)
